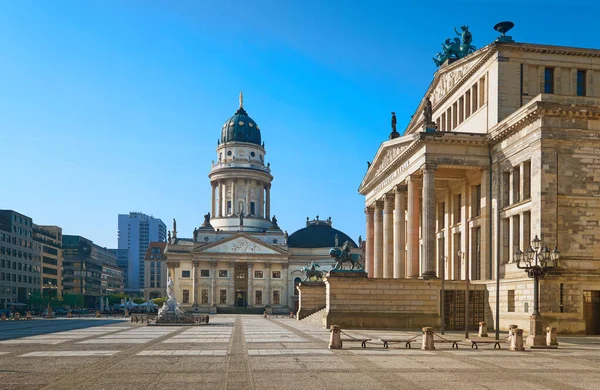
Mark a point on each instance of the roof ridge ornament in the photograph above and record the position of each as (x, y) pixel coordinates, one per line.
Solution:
(241, 99)
(456, 49)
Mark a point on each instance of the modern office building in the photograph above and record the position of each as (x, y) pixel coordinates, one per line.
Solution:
(20, 268)
(136, 232)
(89, 269)
(49, 238)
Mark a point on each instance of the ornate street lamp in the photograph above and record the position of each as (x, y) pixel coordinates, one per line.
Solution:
(537, 261)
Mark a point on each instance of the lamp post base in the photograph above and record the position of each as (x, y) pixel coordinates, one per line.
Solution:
(536, 336)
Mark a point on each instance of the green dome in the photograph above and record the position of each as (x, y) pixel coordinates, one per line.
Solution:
(240, 128)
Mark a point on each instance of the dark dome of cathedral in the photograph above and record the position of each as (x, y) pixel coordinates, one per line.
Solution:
(240, 128)
(318, 234)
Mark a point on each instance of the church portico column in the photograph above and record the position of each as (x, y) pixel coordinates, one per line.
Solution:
(400, 233)
(369, 211)
(412, 262)
(233, 210)
(250, 296)
(261, 201)
(231, 277)
(388, 236)
(194, 289)
(284, 289)
(378, 240)
(428, 261)
(267, 297)
(213, 281)
(247, 205)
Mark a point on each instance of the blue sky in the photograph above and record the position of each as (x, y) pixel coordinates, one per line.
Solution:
(108, 107)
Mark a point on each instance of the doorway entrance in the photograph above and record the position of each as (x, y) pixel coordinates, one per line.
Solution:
(591, 312)
(241, 284)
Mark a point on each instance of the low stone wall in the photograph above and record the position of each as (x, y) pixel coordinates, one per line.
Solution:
(311, 298)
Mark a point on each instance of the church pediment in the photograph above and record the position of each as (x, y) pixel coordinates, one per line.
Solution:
(241, 244)
(387, 154)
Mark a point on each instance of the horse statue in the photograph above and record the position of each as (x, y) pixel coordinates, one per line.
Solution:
(311, 272)
(343, 255)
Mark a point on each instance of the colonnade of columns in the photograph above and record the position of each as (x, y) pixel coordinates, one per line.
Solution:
(267, 298)
(390, 224)
(227, 190)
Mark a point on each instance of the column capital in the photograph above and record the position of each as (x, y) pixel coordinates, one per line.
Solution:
(196, 263)
(378, 204)
(285, 266)
(389, 196)
(250, 265)
(429, 167)
(231, 264)
(369, 210)
(172, 264)
(401, 188)
(213, 263)
(267, 265)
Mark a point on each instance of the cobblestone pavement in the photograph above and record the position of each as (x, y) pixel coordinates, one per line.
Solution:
(250, 352)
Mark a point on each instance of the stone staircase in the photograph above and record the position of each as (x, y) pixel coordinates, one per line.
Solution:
(315, 319)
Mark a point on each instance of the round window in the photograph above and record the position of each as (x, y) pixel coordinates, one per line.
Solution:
(252, 154)
(229, 152)
(206, 238)
(274, 241)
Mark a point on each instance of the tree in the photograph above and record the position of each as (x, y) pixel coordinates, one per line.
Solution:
(139, 300)
(159, 301)
(73, 300)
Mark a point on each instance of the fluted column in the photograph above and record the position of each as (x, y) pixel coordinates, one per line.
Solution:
(261, 201)
(412, 263)
(213, 206)
(388, 236)
(194, 289)
(247, 207)
(267, 298)
(250, 297)
(428, 265)
(284, 289)
(233, 206)
(213, 283)
(221, 198)
(378, 240)
(400, 233)
(369, 211)
(268, 202)
(231, 292)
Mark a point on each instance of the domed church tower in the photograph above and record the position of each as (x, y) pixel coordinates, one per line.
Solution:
(240, 180)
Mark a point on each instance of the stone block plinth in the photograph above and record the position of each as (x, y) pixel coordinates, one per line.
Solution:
(551, 336)
(312, 298)
(516, 341)
(483, 329)
(335, 338)
(428, 343)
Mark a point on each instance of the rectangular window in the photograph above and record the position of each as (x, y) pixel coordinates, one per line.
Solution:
(505, 188)
(549, 80)
(222, 273)
(204, 273)
(252, 209)
(258, 274)
(581, 83)
(477, 200)
(228, 207)
(204, 297)
(457, 210)
(516, 177)
(186, 296)
(511, 301)
(258, 297)
(276, 274)
(185, 273)
(222, 296)
(527, 179)
(276, 297)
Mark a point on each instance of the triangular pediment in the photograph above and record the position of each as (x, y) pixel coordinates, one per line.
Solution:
(448, 78)
(388, 153)
(241, 244)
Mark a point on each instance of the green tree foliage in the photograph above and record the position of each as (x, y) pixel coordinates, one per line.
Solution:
(139, 300)
(73, 300)
(159, 301)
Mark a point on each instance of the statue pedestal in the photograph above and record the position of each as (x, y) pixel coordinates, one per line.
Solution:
(347, 273)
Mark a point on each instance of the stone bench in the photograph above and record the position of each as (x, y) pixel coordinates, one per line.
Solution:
(406, 342)
(475, 342)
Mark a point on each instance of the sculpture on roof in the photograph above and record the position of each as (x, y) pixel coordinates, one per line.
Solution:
(241, 218)
(457, 48)
(169, 236)
(394, 133)
(195, 234)
(206, 220)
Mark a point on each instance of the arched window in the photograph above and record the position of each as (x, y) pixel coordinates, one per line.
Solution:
(296, 283)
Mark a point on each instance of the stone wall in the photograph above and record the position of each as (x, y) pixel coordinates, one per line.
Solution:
(311, 298)
(385, 303)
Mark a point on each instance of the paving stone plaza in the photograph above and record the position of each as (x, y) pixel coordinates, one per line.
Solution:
(251, 352)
